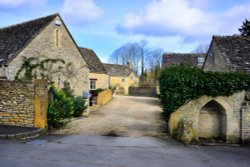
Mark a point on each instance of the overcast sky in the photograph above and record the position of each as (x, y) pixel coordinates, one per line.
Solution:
(105, 25)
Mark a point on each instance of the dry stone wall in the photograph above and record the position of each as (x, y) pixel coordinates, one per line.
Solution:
(17, 103)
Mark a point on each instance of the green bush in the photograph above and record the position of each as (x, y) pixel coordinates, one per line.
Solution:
(94, 93)
(181, 84)
(63, 106)
(79, 106)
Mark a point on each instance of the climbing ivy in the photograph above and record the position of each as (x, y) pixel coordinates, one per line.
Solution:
(33, 68)
(181, 84)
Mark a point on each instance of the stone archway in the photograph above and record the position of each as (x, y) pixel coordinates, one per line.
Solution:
(212, 121)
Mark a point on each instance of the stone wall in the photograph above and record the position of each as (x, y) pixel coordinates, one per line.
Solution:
(245, 123)
(143, 91)
(185, 123)
(18, 106)
(104, 97)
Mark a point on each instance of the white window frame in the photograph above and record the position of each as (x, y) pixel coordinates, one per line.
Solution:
(92, 84)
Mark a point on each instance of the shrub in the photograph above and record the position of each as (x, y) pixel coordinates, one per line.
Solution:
(181, 84)
(63, 106)
(94, 93)
(79, 106)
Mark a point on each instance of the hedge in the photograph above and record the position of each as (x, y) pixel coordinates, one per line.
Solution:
(181, 84)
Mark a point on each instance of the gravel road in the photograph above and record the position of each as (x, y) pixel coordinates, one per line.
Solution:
(122, 116)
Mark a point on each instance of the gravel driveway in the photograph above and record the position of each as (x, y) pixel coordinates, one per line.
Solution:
(122, 116)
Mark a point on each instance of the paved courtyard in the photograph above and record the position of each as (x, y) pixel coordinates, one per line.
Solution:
(122, 116)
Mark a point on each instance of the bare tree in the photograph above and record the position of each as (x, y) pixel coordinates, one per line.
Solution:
(129, 52)
(143, 52)
(202, 48)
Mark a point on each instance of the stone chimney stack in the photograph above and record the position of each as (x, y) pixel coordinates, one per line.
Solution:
(129, 65)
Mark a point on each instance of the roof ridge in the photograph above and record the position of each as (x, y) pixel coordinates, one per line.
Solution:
(32, 20)
(116, 64)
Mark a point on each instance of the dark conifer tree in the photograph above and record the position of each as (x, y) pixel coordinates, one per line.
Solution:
(245, 28)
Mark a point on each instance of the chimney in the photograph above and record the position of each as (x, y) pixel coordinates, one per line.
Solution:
(129, 65)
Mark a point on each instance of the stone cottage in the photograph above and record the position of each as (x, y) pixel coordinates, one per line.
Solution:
(121, 77)
(98, 77)
(174, 59)
(43, 38)
(228, 53)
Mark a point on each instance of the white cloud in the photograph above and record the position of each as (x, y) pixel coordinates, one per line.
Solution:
(183, 17)
(17, 3)
(81, 10)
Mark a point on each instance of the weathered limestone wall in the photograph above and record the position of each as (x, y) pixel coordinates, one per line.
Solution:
(245, 124)
(102, 80)
(23, 103)
(184, 124)
(104, 97)
(55, 42)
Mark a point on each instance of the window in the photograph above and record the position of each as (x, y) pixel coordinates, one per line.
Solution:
(92, 84)
(123, 80)
(200, 61)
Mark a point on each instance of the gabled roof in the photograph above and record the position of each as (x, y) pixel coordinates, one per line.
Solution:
(117, 70)
(174, 59)
(94, 63)
(16, 37)
(236, 50)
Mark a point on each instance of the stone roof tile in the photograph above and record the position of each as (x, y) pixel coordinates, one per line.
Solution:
(94, 63)
(236, 49)
(174, 59)
(14, 38)
(118, 70)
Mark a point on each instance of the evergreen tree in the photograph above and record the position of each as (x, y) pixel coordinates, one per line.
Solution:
(245, 28)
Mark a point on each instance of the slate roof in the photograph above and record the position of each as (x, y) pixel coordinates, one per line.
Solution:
(174, 59)
(16, 37)
(236, 50)
(117, 70)
(94, 63)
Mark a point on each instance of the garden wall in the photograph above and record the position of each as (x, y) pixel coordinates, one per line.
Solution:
(104, 97)
(204, 117)
(23, 103)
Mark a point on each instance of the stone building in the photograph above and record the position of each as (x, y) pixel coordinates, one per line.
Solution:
(43, 38)
(228, 53)
(224, 118)
(98, 77)
(121, 77)
(174, 59)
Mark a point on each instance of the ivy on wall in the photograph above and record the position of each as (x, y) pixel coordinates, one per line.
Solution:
(181, 84)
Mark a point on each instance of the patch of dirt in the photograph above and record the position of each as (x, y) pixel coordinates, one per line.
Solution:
(122, 116)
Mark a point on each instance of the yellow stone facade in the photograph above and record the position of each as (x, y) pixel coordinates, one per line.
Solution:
(102, 80)
(122, 84)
